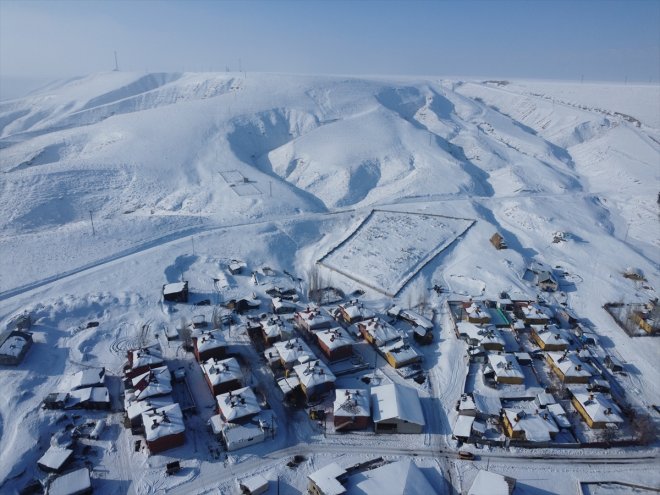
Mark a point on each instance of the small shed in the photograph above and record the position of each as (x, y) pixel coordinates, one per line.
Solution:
(498, 241)
(176, 292)
(13, 346)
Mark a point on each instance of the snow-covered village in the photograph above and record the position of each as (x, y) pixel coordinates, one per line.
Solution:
(232, 282)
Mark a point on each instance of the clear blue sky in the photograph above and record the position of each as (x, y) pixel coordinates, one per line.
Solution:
(600, 39)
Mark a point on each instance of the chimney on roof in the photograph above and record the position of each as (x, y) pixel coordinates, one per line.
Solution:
(154, 425)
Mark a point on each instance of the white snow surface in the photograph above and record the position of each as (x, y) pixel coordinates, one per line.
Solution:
(182, 173)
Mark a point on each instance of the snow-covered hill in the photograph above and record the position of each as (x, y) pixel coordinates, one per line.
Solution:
(144, 154)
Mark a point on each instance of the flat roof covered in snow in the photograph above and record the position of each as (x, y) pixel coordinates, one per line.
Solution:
(71, 483)
(174, 287)
(54, 458)
(489, 483)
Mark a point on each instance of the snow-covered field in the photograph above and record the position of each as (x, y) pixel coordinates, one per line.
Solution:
(182, 172)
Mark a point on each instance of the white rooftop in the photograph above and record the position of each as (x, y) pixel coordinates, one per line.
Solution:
(326, 479)
(505, 366)
(482, 334)
(536, 426)
(173, 288)
(148, 356)
(222, 371)
(314, 318)
(569, 364)
(489, 483)
(599, 407)
(534, 311)
(156, 381)
(356, 310)
(394, 401)
(381, 331)
(314, 373)
(74, 482)
(238, 404)
(463, 426)
(294, 350)
(55, 457)
(334, 338)
(401, 351)
(13, 346)
(477, 309)
(163, 422)
(209, 340)
(352, 402)
(397, 478)
(87, 377)
(137, 407)
(550, 335)
(276, 328)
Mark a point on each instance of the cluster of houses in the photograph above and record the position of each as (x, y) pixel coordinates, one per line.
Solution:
(150, 408)
(526, 351)
(240, 420)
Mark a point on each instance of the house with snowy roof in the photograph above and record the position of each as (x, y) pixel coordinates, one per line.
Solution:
(546, 281)
(400, 353)
(152, 383)
(238, 406)
(164, 428)
(352, 409)
(533, 314)
(176, 292)
(549, 338)
(236, 436)
(488, 338)
(529, 425)
(335, 343)
(281, 306)
(54, 459)
(327, 480)
(97, 398)
(142, 360)
(292, 352)
(88, 377)
(422, 327)
(396, 409)
(222, 375)
(489, 483)
(312, 319)
(568, 367)
(135, 409)
(76, 482)
(209, 344)
(597, 409)
(378, 332)
(504, 368)
(476, 312)
(401, 477)
(275, 329)
(315, 378)
(352, 312)
(14, 345)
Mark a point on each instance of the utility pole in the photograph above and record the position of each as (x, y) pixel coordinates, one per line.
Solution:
(92, 220)
(270, 188)
(116, 63)
(192, 239)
